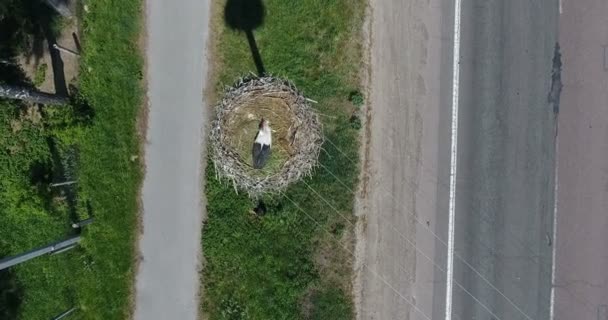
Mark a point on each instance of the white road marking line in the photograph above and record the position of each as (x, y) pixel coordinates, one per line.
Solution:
(554, 242)
(605, 47)
(453, 162)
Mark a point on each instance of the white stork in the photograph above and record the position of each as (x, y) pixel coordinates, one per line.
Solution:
(261, 145)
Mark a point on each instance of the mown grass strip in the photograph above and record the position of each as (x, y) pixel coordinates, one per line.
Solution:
(283, 265)
(110, 176)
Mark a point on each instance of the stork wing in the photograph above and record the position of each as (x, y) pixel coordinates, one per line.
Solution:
(260, 154)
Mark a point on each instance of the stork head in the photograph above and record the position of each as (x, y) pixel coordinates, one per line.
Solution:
(264, 124)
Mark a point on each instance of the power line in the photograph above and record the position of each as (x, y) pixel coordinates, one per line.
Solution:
(520, 243)
(364, 265)
(410, 242)
(445, 244)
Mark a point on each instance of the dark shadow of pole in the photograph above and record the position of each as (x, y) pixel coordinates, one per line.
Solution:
(257, 58)
(61, 87)
(247, 15)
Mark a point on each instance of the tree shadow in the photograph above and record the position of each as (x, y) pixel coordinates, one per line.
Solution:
(46, 177)
(83, 113)
(11, 295)
(246, 16)
(24, 27)
(19, 28)
(36, 51)
(10, 72)
(41, 174)
(64, 170)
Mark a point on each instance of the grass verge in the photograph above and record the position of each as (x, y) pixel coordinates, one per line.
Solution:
(95, 141)
(289, 263)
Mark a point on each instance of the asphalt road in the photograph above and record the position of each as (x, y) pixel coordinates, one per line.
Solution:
(581, 268)
(167, 284)
(506, 149)
(400, 269)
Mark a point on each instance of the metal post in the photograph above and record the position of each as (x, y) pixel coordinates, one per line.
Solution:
(62, 184)
(82, 223)
(30, 95)
(66, 50)
(64, 314)
(55, 247)
(64, 249)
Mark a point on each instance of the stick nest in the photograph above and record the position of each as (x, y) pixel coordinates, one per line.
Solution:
(296, 135)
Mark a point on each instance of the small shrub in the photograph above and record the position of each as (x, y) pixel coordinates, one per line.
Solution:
(40, 75)
(357, 99)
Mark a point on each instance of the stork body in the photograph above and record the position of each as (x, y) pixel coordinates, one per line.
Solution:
(261, 145)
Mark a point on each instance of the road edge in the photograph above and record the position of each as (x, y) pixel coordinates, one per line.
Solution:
(141, 127)
(361, 205)
(209, 97)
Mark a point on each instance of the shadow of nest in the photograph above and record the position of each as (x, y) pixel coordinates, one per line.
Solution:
(296, 130)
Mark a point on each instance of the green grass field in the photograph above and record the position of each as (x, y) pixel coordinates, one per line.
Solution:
(92, 140)
(289, 264)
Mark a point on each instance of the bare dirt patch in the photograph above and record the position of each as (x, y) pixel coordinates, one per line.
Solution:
(50, 69)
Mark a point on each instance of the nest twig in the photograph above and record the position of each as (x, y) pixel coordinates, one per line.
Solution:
(304, 136)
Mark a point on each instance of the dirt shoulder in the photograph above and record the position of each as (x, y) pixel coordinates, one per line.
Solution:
(400, 159)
